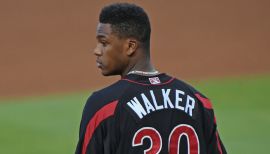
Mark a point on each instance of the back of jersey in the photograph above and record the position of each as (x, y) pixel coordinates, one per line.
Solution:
(163, 115)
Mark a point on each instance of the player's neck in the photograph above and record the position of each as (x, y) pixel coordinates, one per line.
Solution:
(143, 67)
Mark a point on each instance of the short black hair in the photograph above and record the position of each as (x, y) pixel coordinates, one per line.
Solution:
(127, 20)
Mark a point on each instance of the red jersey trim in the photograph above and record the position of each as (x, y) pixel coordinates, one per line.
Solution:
(145, 84)
(215, 120)
(218, 143)
(206, 102)
(102, 114)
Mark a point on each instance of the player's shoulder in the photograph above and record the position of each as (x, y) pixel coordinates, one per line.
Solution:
(107, 94)
(103, 99)
(203, 99)
(184, 85)
(110, 92)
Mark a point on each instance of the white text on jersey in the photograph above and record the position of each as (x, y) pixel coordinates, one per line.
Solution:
(151, 104)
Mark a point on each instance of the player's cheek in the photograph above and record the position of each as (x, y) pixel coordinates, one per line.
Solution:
(108, 64)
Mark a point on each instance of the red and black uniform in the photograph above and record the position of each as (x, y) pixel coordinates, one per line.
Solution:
(142, 114)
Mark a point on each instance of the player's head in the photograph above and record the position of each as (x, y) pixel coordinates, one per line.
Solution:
(123, 29)
(127, 21)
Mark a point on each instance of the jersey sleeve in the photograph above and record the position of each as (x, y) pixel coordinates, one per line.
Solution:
(214, 143)
(94, 136)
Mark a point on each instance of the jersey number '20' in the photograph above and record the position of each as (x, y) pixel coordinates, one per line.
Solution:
(174, 139)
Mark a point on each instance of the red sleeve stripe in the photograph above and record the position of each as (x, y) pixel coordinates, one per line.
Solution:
(206, 102)
(102, 114)
(218, 143)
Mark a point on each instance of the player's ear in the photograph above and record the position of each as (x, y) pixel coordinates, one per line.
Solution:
(132, 46)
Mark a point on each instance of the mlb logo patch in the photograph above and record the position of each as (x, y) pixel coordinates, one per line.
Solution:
(154, 80)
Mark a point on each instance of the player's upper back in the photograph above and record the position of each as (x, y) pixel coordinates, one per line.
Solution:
(161, 108)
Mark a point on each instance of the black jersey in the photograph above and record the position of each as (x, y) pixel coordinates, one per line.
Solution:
(149, 115)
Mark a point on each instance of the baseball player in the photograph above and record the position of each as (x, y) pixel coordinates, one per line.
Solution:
(145, 112)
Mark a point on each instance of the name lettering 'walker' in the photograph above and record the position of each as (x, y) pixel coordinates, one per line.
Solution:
(150, 104)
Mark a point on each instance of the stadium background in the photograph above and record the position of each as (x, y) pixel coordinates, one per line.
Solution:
(48, 69)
